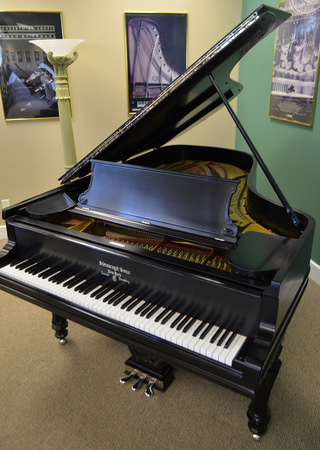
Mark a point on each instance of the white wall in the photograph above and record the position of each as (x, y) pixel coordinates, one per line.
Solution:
(30, 154)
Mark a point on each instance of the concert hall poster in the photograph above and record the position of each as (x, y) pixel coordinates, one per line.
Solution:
(27, 78)
(156, 45)
(295, 66)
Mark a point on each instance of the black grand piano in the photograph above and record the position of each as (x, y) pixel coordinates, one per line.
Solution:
(170, 248)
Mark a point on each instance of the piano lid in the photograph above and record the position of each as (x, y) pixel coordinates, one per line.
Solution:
(188, 99)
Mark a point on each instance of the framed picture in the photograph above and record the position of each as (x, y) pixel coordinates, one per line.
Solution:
(27, 78)
(156, 46)
(295, 66)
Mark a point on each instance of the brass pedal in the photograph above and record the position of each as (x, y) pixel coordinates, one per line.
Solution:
(138, 384)
(129, 377)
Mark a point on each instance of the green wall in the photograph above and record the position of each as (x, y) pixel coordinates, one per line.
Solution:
(292, 152)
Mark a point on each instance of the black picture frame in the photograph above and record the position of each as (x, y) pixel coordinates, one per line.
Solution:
(26, 77)
(156, 50)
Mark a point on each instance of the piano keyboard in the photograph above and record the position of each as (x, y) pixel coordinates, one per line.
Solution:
(203, 338)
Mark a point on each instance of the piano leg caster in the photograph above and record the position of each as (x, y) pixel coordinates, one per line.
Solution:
(259, 412)
(256, 437)
(59, 324)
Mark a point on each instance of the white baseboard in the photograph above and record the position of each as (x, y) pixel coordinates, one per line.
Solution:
(314, 267)
(3, 232)
(315, 272)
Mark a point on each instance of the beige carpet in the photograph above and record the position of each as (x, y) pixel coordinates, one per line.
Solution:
(69, 397)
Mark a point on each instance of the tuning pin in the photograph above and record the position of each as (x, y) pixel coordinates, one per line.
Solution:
(129, 377)
(149, 389)
(138, 384)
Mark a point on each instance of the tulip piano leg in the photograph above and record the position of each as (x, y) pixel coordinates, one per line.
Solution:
(259, 412)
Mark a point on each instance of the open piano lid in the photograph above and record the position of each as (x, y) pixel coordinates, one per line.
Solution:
(188, 99)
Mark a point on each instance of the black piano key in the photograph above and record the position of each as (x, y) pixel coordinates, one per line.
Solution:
(72, 282)
(59, 277)
(148, 308)
(17, 261)
(221, 340)
(133, 297)
(105, 294)
(90, 288)
(161, 315)
(177, 320)
(112, 297)
(36, 268)
(109, 294)
(47, 273)
(101, 292)
(128, 302)
(87, 287)
(82, 286)
(120, 299)
(20, 263)
(216, 335)
(96, 288)
(134, 304)
(141, 307)
(167, 317)
(25, 264)
(230, 340)
(40, 265)
(189, 324)
(183, 322)
(153, 311)
(206, 331)
(197, 331)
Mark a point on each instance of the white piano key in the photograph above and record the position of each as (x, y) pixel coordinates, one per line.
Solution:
(133, 319)
(185, 342)
(213, 350)
(149, 325)
(152, 326)
(234, 349)
(195, 342)
(203, 344)
(182, 338)
(167, 332)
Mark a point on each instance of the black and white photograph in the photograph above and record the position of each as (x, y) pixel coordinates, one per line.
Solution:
(27, 79)
(295, 69)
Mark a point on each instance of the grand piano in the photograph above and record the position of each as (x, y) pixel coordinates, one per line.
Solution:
(169, 248)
